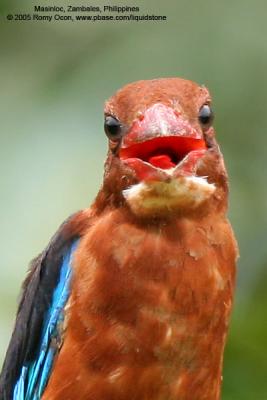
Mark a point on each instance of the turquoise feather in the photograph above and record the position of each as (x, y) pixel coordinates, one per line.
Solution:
(34, 376)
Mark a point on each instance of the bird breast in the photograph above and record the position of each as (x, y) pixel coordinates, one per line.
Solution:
(149, 309)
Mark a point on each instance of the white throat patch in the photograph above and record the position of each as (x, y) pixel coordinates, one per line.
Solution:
(157, 197)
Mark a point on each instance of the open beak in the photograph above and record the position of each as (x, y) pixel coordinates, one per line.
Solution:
(160, 144)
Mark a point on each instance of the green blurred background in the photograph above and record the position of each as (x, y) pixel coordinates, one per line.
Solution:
(55, 78)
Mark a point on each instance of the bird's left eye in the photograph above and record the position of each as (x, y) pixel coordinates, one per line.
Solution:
(113, 128)
(205, 115)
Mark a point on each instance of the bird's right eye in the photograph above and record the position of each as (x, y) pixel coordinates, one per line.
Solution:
(113, 128)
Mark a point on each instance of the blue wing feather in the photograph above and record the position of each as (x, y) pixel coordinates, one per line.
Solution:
(34, 376)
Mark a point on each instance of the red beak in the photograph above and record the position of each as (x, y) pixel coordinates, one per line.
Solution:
(161, 139)
(159, 121)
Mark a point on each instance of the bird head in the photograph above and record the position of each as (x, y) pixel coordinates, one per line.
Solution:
(163, 157)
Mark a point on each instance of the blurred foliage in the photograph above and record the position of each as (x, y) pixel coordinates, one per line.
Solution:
(54, 80)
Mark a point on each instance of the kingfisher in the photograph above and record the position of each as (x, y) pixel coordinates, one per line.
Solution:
(131, 298)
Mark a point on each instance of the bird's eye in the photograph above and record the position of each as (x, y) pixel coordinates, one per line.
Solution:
(113, 128)
(205, 115)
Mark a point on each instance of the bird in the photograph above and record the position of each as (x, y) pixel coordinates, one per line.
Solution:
(132, 297)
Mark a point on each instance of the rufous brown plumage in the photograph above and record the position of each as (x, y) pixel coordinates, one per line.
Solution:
(153, 273)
